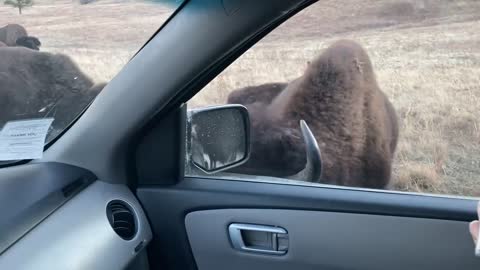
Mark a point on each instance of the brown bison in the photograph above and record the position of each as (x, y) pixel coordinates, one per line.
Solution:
(264, 93)
(16, 35)
(11, 32)
(39, 84)
(352, 120)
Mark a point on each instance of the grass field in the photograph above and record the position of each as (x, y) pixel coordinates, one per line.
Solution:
(426, 55)
(101, 37)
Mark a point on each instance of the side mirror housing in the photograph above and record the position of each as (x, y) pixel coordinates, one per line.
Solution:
(218, 137)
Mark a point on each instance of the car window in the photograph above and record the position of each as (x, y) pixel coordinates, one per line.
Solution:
(56, 56)
(390, 90)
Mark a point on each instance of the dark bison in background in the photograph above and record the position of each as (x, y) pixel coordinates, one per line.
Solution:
(39, 84)
(16, 35)
(352, 120)
(29, 42)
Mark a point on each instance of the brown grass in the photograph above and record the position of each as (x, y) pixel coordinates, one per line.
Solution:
(101, 37)
(426, 55)
(418, 177)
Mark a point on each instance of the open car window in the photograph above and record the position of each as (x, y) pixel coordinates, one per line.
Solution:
(56, 56)
(389, 90)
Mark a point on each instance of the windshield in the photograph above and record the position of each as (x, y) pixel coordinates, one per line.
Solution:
(56, 56)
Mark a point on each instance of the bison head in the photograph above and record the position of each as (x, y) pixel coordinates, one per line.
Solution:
(29, 42)
(281, 152)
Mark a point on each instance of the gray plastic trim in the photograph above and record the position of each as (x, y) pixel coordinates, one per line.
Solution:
(328, 240)
(31, 192)
(79, 236)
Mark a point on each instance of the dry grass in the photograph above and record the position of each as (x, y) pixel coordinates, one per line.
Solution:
(101, 37)
(426, 55)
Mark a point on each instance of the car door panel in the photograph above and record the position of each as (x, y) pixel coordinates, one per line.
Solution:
(332, 240)
(193, 236)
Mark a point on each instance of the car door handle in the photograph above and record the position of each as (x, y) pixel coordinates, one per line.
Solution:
(263, 239)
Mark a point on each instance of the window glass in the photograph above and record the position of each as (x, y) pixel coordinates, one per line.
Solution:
(57, 55)
(390, 90)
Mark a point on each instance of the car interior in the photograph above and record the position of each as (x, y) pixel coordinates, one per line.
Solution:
(111, 192)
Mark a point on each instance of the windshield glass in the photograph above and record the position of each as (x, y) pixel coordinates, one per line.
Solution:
(57, 55)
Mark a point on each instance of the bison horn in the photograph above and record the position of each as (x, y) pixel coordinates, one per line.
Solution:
(313, 168)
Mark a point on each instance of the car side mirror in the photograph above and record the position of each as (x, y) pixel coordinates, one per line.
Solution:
(218, 137)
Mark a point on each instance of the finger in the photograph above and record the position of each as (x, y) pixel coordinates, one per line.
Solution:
(474, 227)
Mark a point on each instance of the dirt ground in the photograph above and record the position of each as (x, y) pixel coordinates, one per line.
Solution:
(426, 55)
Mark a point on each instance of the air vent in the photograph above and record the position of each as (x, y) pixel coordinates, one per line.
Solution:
(122, 219)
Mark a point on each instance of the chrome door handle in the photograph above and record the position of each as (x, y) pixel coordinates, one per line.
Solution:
(259, 238)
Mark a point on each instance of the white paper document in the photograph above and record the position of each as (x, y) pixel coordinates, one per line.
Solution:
(23, 139)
